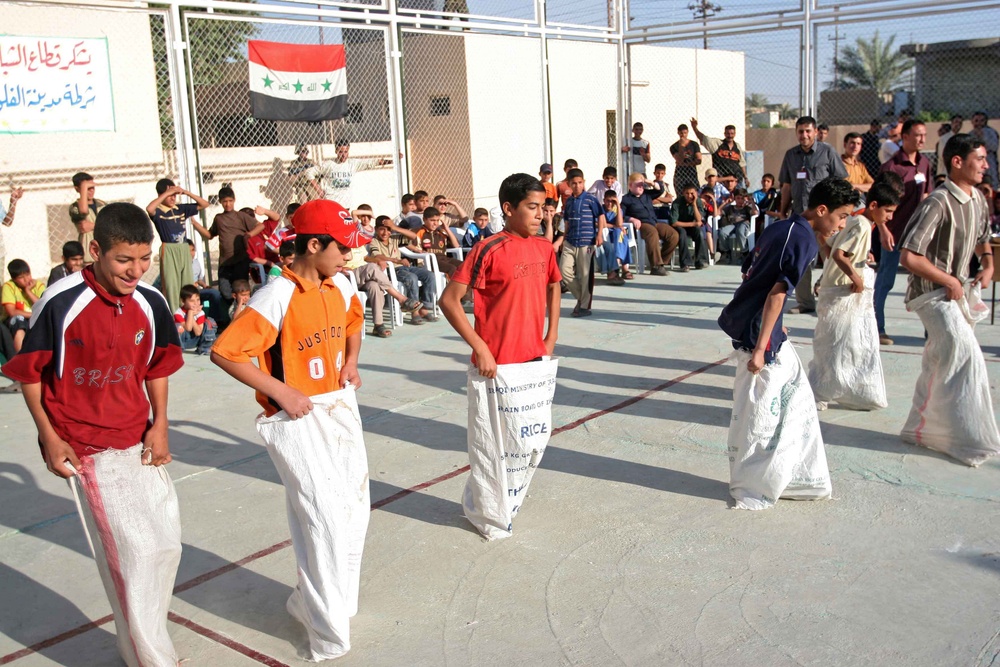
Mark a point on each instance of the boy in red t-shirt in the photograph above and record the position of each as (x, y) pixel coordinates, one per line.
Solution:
(94, 364)
(516, 278)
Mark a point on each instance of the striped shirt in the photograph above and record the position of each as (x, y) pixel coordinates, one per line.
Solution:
(945, 229)
(92, 352)
(581, 215)
(297, 331)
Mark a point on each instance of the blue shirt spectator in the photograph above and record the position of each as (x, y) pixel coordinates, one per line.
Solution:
(580, 215)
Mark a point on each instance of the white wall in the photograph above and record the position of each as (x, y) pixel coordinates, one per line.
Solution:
(583, 87)
(42, 163)
(670, 85)
(505, 111)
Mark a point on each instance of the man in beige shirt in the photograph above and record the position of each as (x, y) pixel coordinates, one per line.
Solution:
(857, 173)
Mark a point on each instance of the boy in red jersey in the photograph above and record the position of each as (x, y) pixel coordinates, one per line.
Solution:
(516, 279)
(94, 362)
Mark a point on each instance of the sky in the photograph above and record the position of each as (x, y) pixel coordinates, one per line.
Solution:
(771, 57)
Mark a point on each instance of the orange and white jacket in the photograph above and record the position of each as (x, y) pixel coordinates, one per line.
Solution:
(297, 331)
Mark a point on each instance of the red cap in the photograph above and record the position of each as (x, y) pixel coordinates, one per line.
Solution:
(323, 216)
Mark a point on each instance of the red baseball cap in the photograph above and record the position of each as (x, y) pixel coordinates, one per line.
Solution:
(323, 216)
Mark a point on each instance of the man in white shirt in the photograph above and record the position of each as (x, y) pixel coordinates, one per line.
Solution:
(332, 179)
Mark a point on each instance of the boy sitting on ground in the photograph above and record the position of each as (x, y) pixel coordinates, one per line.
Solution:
(72, 256)
(19, 294)
(196, 330)
(241, 297)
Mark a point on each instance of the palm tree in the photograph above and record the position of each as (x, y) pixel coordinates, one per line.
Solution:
(873, 64)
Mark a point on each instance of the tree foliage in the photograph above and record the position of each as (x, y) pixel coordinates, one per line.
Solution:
(873, 63)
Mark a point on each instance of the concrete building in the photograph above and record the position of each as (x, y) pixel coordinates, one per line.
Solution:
(956, 77)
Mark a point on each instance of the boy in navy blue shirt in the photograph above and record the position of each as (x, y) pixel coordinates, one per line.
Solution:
(775, 448)
(583, 215)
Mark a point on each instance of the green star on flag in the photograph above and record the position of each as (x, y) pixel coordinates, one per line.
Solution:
(326, 86)
(268, 81)
(298, 86)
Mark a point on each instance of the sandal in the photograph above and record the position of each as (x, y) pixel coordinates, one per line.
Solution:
(380, 331)
(411, 306)
(627, 275)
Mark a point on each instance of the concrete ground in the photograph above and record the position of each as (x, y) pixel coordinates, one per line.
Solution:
(625, 552)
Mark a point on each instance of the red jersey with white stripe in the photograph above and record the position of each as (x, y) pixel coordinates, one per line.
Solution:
(92, 352)
(180, 316)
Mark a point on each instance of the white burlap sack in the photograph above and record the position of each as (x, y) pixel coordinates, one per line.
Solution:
(510, 421)
(952, 410)
(846, 366)
(322, 462)
(130, 514)
(775, 446)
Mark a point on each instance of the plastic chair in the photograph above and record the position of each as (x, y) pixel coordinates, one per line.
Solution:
(395, 310)
(431, 264)
(362, 297)
(637, 245)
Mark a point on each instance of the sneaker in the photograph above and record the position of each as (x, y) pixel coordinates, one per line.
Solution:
(615, 279)
(821, 405)
(658, 271)
(884, 339)
(801, 310)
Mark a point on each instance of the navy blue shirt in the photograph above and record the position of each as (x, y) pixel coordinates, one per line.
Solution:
(171, 223)
(580, 215)
(641, 208)
(473, 235)
(782, 254)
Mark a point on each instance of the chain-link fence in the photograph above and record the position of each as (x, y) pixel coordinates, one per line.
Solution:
(89, 95)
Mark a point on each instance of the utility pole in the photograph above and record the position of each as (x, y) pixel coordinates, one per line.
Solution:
(704, 10)
(836, 39)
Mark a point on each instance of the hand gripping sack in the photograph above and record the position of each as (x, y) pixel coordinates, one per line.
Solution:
(846, 366)
(131, 518)
(323, 465)
(510, 421)
(952, 409)
(775, 446)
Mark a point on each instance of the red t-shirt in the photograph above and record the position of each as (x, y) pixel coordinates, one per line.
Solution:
(180, 317)
(92, 352)
(510, 275)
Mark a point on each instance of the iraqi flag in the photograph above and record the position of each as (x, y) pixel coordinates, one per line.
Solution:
(297, 82)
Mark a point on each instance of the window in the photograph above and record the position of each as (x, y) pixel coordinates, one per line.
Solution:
(440, 106)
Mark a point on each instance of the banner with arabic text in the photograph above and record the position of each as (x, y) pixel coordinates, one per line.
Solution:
(55, 84)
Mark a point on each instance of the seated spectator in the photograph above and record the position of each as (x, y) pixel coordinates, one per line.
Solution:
(734, 227)
(661, 205)
(241, 297)
(72, 256)
(197, 331)
(688, 216)
(406, 207)
(415, 219)
(286, 255)
(19, 294)
(480, 229)
(436, 238)
(197, 270)
(609, 181)
(282, 234)
(767, 199)
(416, 281)
(456, 219)
(616, 257)
(373, 281)
(718, 192)
(562, 187)
(660, 238)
